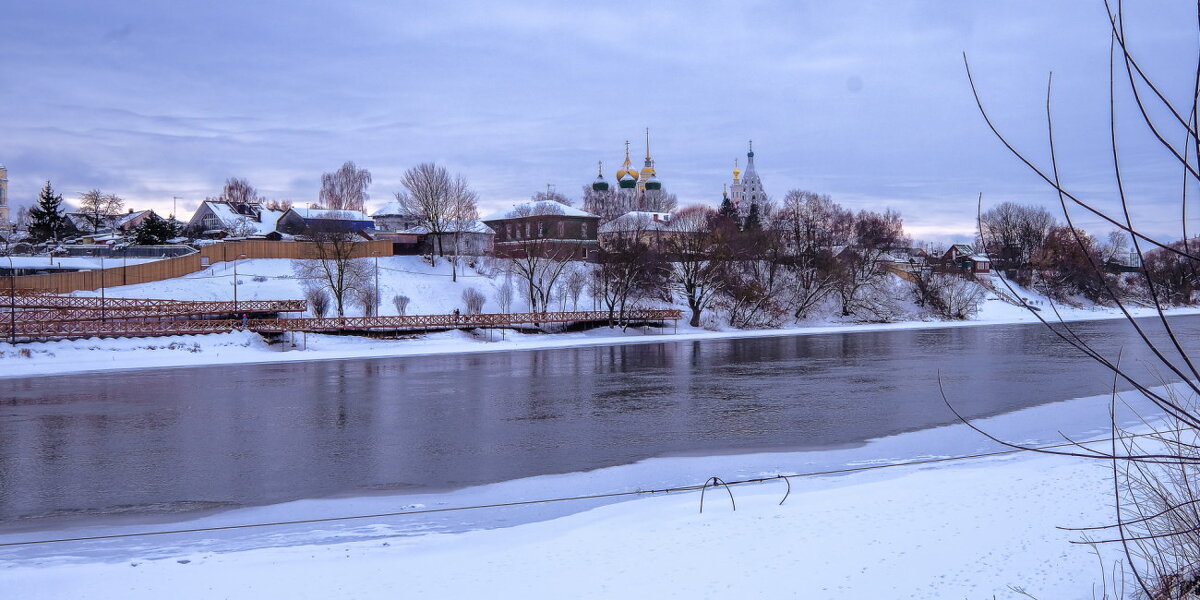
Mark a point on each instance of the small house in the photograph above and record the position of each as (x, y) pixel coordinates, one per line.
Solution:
(220, 219)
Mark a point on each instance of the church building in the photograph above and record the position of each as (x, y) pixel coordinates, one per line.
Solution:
(747, 188)
(635, 190)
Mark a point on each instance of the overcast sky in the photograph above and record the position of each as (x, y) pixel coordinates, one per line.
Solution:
(868, 102)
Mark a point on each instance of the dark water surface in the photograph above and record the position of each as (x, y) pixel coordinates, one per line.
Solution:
(143, 442)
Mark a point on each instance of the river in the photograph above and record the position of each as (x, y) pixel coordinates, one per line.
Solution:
(168, 441)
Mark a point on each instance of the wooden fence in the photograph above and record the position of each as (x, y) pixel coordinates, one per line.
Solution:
(170, 268)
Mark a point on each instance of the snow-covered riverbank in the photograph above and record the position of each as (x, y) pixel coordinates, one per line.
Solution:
(76, 356)
(956, 529)
(432, 290)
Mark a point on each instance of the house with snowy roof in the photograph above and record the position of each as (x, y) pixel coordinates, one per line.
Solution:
(392, 217)
(329, 218)
(965, 257)
(650, 228)
(221, 219)
(545, 228)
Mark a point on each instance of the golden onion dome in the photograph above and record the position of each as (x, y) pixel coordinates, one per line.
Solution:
(627, 166)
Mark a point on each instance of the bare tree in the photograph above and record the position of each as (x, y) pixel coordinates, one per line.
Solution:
(814, 228)
(659, 200)
(573, 285)
(100, 207)
(538, 262)
(946, 295)
(239, 191)
(473, 299)
(334, 263)
(401, 304)
(463, 218)
(603, 203)
(280, 205)
(1013, 232)
(504, 297)
(812, 221)
(436, 201)
(539, 272)
(318, 299)
(345, 188)
(863, 264)
(1115, 248)
(694, 258)
(1172, 278)
(1064, 266)
(623, 275)
(240, 227)
(367, 300)
(552, 195)
(1154, 474)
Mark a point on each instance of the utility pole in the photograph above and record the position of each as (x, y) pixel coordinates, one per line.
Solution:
(235, 283)
(375, 253)
(12, 299)
(102, 315)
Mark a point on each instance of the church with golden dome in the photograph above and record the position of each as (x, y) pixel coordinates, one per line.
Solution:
(634, 191)
(747, 188)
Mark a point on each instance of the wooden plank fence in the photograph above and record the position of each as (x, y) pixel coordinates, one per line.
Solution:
(170, 268)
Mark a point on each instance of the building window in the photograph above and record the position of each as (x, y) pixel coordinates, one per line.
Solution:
(541, 229)
(583, 230)
(508, 231)
(527, 230)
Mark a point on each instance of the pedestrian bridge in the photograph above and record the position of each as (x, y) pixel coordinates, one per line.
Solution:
(45, 317)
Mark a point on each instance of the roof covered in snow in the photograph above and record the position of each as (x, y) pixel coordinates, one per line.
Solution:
(536, 208)
(472, 227)
(638, 221)
(331, 214)
(262, 224)
(130, 216)
(391, 209)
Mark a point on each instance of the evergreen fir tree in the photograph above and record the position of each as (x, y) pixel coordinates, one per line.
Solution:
(727, 210)
(46, 219)
(753, 219)
(153, 230)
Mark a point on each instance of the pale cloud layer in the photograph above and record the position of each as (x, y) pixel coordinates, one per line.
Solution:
(865, 101)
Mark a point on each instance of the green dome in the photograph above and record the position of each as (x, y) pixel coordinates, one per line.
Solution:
(600, 185)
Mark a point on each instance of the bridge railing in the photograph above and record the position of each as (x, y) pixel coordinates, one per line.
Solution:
(52, 329)
(452, 321)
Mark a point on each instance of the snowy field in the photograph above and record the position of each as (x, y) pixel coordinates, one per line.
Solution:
(974, 528)
(431, 290)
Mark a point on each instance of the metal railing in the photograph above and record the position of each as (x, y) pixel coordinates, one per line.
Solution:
(150, 305)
